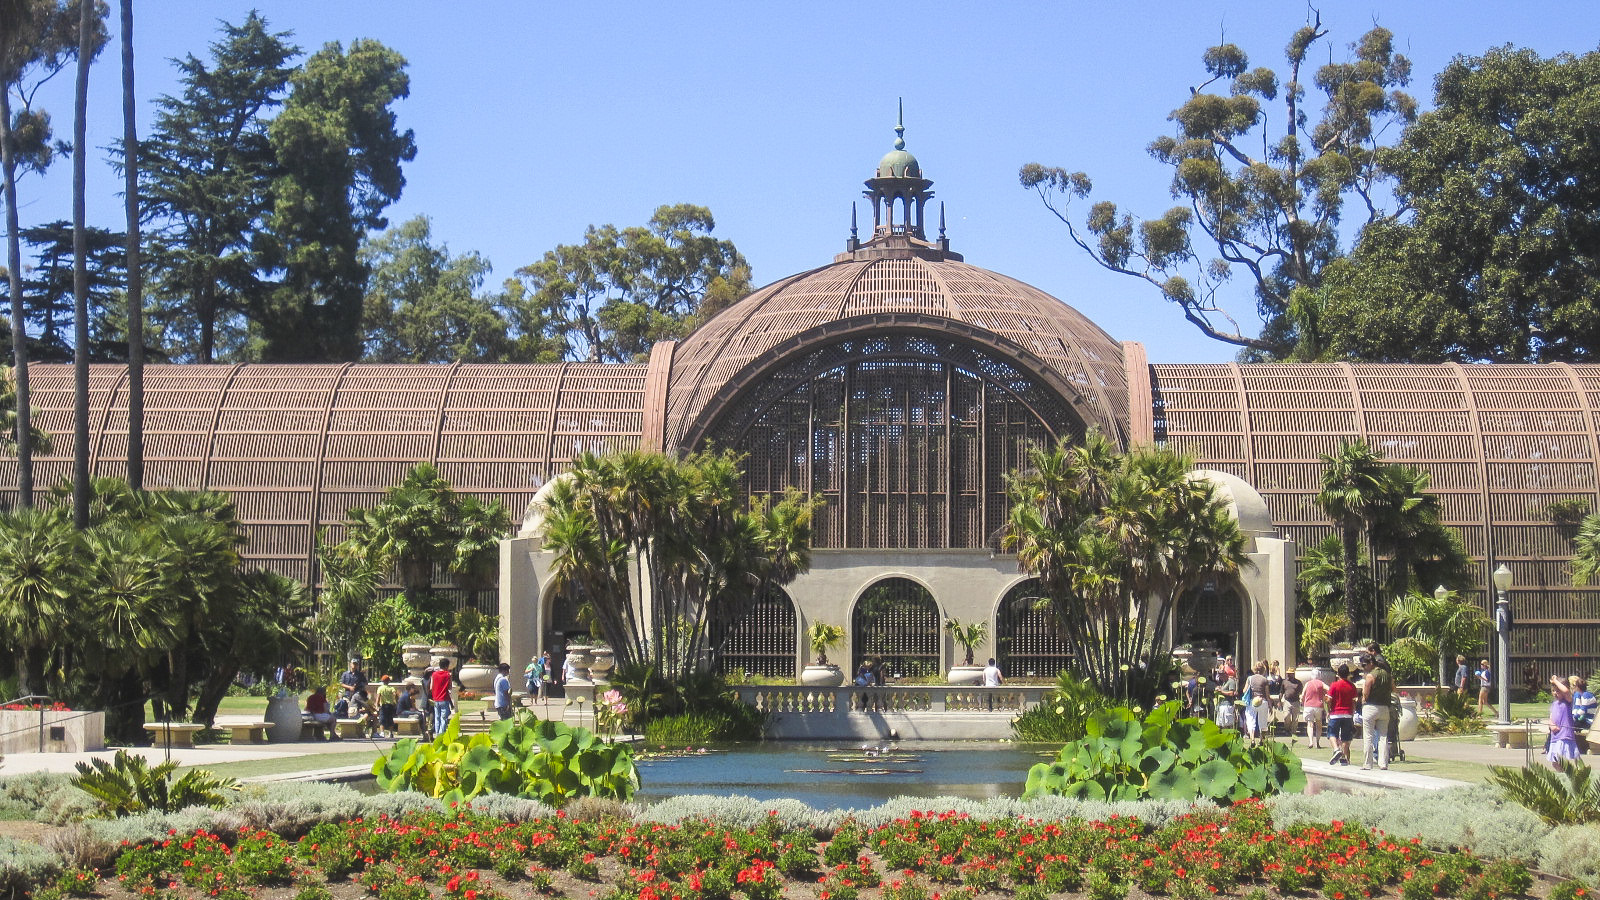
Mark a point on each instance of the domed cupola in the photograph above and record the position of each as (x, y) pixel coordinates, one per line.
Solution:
(899, 196)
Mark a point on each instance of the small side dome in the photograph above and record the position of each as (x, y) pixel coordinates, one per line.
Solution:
(899, 163)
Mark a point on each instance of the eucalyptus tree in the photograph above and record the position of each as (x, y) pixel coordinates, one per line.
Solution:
(657, 548)
(1116, 539)
(1261, 193)
(1352, 486)
(38, 39)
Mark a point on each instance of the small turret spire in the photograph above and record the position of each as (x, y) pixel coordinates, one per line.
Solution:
(900, 127)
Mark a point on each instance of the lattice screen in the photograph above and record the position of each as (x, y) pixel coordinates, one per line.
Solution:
(1028, 640)
(1503, 442)
(907, 438)
(760, 639)
(896, 622)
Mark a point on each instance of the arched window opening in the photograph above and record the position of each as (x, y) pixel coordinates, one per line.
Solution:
(1211, 618)
(896, 626)
(907, 438)
(758, 639)
(1028, 636)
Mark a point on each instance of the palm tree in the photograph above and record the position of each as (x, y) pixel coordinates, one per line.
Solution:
(80, 269)
(1352, 483)
(40, 568)
(1116, 539)
(1439, 625)
(136, 617)
(1586, 551)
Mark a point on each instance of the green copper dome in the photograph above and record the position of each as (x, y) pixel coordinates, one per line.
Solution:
(899, 163)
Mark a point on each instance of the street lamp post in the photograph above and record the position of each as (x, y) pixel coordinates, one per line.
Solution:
(1502, 628)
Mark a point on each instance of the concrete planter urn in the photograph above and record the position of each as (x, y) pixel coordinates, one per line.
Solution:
(602, 661)
(417, 657)
(283, 718)
(444, 651)
(1408, 720)
(964, 675)
(822, 676)
(477, 678)
(580, 657)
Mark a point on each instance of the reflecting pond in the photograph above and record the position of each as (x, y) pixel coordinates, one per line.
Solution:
(852, 775)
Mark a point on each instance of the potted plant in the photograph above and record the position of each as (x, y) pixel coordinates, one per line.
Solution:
(823, 637)
(968, 635)
(479, 638)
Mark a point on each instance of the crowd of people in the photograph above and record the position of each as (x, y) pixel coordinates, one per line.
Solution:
(430, 703)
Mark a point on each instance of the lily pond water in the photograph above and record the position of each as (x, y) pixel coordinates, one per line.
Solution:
(850, 776)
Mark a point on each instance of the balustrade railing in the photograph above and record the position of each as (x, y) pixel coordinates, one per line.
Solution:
(849, 699)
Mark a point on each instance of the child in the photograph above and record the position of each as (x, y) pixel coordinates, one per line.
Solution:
(1583, 702)
(1563, 737)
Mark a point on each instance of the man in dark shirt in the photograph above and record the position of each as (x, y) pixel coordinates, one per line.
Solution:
(1382, 662)
(1377, 697)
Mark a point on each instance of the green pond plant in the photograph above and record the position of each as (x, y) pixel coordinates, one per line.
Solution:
(1165, 756)
(525, 757)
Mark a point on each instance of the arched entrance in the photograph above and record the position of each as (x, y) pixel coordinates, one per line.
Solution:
(759, 638)
(896, 622)
(1028, 642)
(1212, 618)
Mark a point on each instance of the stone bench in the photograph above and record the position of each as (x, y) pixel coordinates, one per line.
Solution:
(352, 728)
(173, 734)
(246, 732)
(408, 725)
(1512, 736)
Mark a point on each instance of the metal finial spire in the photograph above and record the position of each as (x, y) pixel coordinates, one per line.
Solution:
(941, 220)
(852, 220)
(900, 127)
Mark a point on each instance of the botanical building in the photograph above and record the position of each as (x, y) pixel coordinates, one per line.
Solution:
(901, 384)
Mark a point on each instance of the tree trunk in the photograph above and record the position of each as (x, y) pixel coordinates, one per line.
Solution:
(80, 272)
(19, 333)
(1349, 540)
(212, 690)
(130, 174)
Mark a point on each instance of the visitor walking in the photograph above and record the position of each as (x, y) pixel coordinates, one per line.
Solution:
(439, 695)
(1258, 708)
(1485, 676)
(533, 675)
(1463, 676)
(1341, 705)
(502, 691)
(1313, 696)
(1377, 692)
(1227, 693)
(1274, 698)
(1563, 736)
(1291, 701)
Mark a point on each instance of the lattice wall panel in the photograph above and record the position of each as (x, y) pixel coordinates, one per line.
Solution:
(298, 446)
(1502, 443)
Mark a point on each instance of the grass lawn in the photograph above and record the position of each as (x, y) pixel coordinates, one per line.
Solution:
(1417, 762)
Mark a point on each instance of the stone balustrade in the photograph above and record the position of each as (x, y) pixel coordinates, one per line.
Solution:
(907, 712)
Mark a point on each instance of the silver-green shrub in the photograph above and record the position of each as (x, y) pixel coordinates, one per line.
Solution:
(498, 806)
(1474, 817)
(48, 797)
(1572, 851)
(738, 812)
(24, 864)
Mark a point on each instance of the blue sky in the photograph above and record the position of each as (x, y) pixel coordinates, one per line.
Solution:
(536, 119)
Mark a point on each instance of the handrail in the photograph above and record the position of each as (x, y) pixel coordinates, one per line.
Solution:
(26, 697)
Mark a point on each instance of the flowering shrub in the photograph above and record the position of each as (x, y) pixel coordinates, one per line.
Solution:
(57, 706)
(610, 711)
(463, 855)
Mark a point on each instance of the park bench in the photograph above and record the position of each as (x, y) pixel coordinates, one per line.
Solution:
(1514, 736)
(245, 732)
(173, 734)
(352, 728)
(408, 725)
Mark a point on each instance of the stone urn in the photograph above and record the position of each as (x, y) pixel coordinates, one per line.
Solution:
(602, 661)
(283, 718)
(444, 651)
(477, 677)
(821, 676)
(1409, 724)
(580, 657)
(417, 657)
(964, 675)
